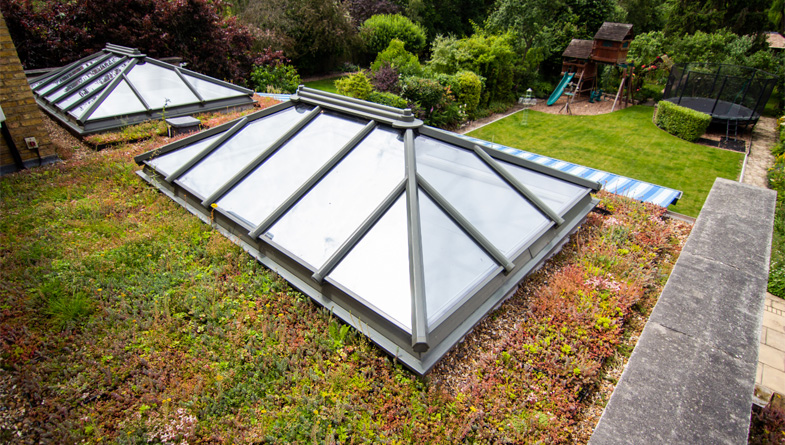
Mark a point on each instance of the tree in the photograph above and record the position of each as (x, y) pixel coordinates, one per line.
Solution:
(777, 14)
(738, 16)
(448, 17)
(645, 15)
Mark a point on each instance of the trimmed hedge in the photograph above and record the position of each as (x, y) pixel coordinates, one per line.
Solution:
(389, 99)
(681, 122)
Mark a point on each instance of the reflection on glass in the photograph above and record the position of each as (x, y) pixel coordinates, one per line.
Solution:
(325, 217)
(231, 157)
(157, 84)
(267, 187)
(555, 193)
(97, 70)
(452, 263)
(498, 211)
(210, 90)
(171, 161)
(103, 80)
(65, 77)
(122, 101)
(79, 111)
(377, 269)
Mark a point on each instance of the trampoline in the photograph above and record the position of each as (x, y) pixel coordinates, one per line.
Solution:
(730, 94)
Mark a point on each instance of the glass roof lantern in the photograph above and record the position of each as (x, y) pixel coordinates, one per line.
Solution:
(408, 233)
(118, 86)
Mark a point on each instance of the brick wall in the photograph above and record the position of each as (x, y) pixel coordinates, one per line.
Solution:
(23, 117)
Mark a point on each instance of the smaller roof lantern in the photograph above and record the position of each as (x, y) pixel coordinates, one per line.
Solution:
(118, 86)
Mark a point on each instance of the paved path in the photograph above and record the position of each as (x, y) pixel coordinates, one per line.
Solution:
(771, 358)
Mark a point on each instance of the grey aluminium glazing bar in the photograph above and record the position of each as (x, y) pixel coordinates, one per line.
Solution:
(70, 70)
(416, 262)
(261, 157)
(360, 232)
(74, 84)
(108, 89)
(137, 93)
(520, 188)
(188, 84)
(466, 225)
(312, 181)
(209, 149)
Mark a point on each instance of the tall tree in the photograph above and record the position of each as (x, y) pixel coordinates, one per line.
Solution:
(739, 16)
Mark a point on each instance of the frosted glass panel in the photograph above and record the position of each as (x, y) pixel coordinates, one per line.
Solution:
(271, 183)
(453, 263)
(122, 101)
(377, 269)
(226, 161)
(498, 211)
(212, 91)
(87, 77)
(315, 228)
(81, 109)
(170, 162)
(157, 84)
(555, 193)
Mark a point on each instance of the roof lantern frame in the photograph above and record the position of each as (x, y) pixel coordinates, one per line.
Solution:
(422, 342)
(94, 78)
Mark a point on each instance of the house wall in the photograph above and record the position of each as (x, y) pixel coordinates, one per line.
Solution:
(23, 117)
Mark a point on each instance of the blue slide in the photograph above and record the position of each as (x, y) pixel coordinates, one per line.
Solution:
(560, 88)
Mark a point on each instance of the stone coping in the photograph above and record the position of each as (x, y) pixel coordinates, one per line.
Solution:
(691, 377)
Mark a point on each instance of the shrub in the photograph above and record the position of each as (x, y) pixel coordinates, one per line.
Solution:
(681, 122)
(355, 85)
(467, 87)
(489, 56)
(362, 10)
(378, 31)
(53, 33)
(386, 78)
(278, 77)
(776, 177)
(389, 99)
(436, 103)
(428, 93)
(396, 56)
(649, 91)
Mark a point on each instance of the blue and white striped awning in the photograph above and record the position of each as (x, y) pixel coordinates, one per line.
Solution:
(632, 188)
(278, 97)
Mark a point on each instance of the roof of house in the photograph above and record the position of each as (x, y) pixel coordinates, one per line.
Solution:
(616, 32)
(578, 49)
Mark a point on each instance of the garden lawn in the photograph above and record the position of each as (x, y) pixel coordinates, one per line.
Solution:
(625, 142)
(327, 85)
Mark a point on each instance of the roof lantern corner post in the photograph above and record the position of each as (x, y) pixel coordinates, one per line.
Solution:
(416, 262)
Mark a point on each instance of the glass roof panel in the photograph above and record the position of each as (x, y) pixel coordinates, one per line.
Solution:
(226, 161)
(452, 263)
(377, 269)
(157, 84)
(64, 78)
(85, 78)
(267, 187)
(211, 90)
(92, 86)
(325, 217)
(555, 193)
(121, 102)
(498, 211)
(169, 162)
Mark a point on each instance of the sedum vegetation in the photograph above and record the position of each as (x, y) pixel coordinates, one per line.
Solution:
(127, 319)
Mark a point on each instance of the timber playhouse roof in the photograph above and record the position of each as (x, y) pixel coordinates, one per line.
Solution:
(119, 86)
(408, 233)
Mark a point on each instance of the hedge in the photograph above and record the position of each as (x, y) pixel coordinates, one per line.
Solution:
(681, 122)
(378, 31)
(389, 99)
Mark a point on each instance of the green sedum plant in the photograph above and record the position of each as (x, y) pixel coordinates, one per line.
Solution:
(681, 122)
(355, 85)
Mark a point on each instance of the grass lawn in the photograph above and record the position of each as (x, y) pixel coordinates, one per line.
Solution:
(625, 142)
(324, 84)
